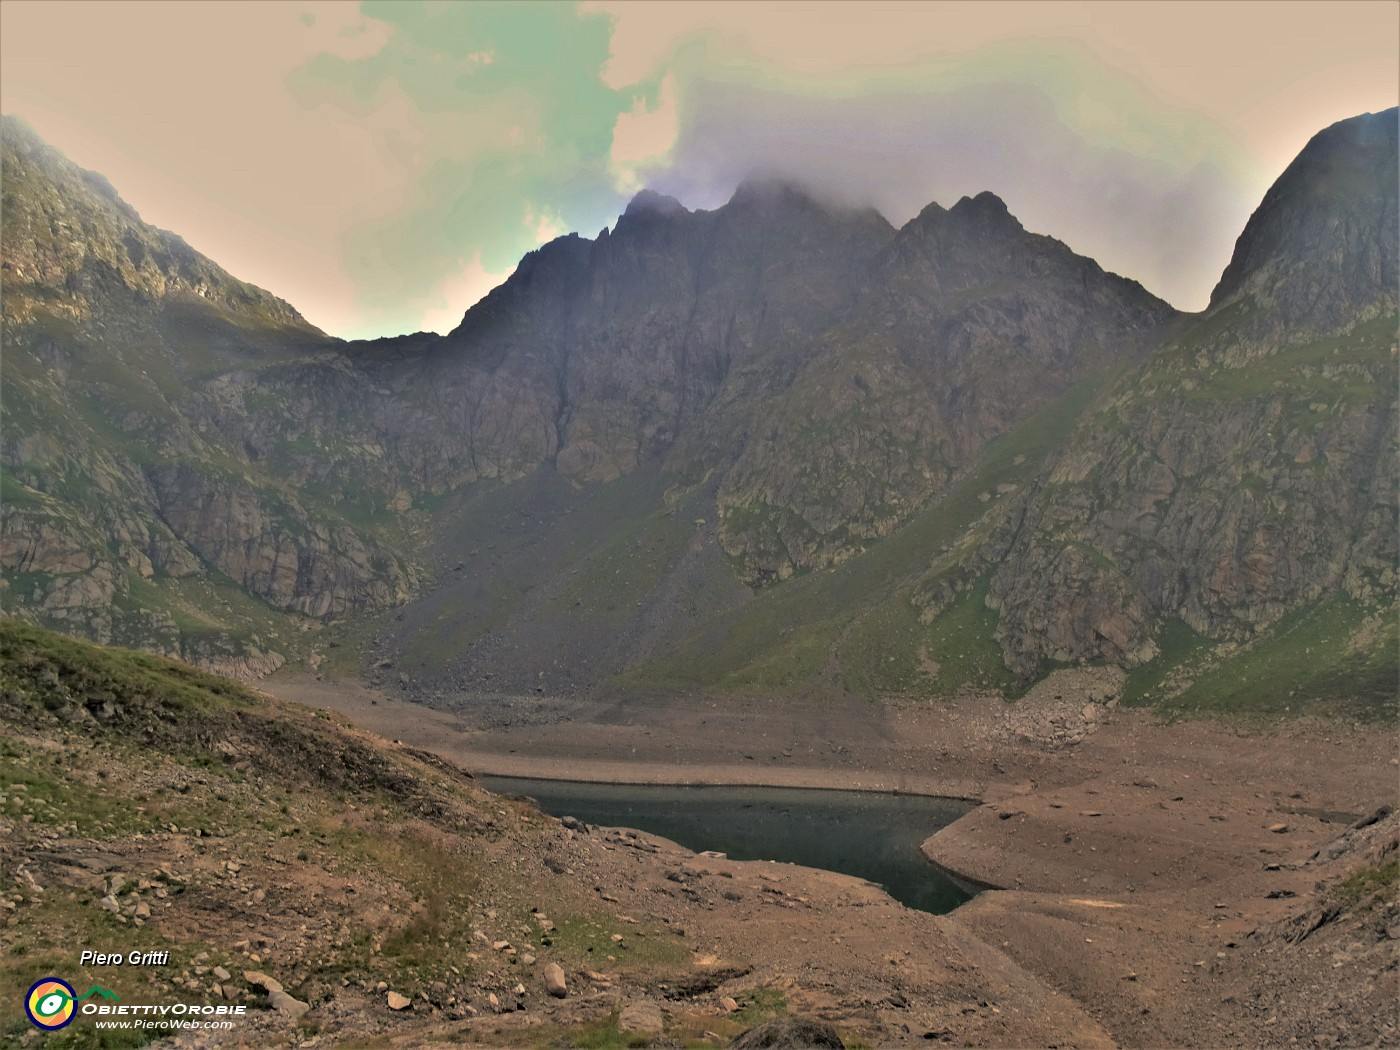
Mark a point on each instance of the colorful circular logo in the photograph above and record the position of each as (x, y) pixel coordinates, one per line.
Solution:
(50, 1003)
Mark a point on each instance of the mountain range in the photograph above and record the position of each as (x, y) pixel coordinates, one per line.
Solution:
(781, 446)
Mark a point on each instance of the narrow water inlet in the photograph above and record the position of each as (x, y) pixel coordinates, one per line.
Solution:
(870, 835)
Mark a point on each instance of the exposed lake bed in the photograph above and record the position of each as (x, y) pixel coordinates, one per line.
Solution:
(1139, 879)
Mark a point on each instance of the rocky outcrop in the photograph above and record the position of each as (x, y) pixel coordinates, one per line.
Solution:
(1247, 469)
(274, 548)
(966, 325)
(119, 479)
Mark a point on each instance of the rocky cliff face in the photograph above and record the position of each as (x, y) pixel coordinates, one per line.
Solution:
(74, 248)
(1247, 470)
(781, 408)
(965, 326)
(121, 491)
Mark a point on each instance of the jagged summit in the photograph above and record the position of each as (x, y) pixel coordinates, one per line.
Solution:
(986, 212)
(986, 205)
(649, 202)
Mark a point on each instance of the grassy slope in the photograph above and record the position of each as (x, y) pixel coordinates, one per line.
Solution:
(193, 770)
(143, 370)
(1334, 657)
(858, 617)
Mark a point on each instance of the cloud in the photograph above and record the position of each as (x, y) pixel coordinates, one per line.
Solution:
(449, 300)
(546, 227)
(1077, 151)
(499, 122)
(644, 136)
(357, 159)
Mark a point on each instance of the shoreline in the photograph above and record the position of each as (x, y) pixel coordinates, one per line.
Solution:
(1105, 814)
(479, 771)
(1130, 868)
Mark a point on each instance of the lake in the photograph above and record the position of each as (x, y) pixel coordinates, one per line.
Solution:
(870, 835)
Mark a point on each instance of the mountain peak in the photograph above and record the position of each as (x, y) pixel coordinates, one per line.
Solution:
(1321, 248)
(649, 202)
(772, 189)
(71, 239)
(985, 208)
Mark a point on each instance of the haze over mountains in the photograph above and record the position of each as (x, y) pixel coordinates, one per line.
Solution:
(780, 446)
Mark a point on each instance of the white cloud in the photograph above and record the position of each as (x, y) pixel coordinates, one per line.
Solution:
(644, 137)
(544, 226)
(462, 290)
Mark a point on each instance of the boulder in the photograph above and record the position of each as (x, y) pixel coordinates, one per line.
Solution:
(286, 1005)
(789, 1033)
(643, 1016)
(261, 980)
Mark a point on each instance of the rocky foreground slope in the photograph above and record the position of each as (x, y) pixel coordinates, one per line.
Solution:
(148, 806)
(348, 890)
(781, 445)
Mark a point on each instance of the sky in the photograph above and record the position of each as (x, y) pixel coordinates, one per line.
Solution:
(383, 165)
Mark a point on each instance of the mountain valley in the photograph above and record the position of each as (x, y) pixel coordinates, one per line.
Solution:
(730, 450)
(772, 494)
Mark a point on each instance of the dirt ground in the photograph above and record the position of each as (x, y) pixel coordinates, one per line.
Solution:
(1142, 870)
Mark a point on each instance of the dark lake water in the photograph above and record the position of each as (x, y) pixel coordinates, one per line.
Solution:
(873, 836)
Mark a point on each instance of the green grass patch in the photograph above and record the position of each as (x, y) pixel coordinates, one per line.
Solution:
(962, 641)
(783, 637)
(760, 1004)
(1334, 657)
(44, 666)
(1381, 881)
(607, 1035)
(1299, 371)
(1178, 647)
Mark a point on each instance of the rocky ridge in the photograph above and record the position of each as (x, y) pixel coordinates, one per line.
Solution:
(695, 414)
(1245, 471)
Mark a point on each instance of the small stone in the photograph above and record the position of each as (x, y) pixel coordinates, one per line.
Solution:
(729, 1003)
(221, 973)
(398, 1002)
(1278, 829)
(554, 981)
